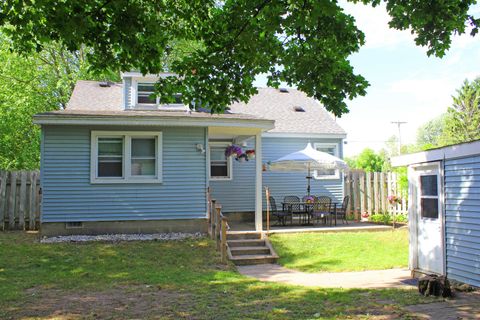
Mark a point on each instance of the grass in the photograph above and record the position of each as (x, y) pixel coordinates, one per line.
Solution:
(163, 280)
(342, 251)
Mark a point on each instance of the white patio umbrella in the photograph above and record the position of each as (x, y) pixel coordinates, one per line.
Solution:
(306, 160)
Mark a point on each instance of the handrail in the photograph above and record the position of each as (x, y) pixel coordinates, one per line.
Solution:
(217, 225)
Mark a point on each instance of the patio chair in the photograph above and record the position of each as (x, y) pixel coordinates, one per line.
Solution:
(341, 212)
(281, 215)
(322, 209)
(294, 206)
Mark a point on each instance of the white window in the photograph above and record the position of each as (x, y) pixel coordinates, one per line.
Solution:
(126, 157)
(330, 148)
(144, 97)
(429, 196)
(220, 165)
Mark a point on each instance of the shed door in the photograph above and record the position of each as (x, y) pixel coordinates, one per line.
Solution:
(429, 220)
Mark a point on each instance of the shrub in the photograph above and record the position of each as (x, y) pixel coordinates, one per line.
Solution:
(388, 218)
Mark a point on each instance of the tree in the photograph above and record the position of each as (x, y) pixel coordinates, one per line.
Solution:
(31, 84)
(431, 134)
(303, 43)
(463, 122)
(367, 160)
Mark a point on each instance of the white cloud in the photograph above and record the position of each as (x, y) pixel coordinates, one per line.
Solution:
(374, 24)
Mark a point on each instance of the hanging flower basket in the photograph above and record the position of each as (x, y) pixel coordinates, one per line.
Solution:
(309, 199)
(242, 158)
(250, 154)
(233, 150)
(393, 199)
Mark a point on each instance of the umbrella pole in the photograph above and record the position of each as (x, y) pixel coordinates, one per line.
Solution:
(308, 180)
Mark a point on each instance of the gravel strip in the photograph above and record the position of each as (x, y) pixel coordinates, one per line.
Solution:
(125, 237)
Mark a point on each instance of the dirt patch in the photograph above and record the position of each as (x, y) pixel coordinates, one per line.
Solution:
(133, 302)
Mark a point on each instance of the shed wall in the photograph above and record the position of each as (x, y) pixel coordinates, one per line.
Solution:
(68, 194)
(462, 215)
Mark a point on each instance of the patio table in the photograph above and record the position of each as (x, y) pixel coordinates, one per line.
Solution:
(307, 208)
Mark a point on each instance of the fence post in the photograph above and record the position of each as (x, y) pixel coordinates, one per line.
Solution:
(369, 192)
(362, 193)
(218, 208)
(224, 240)
(213, 221)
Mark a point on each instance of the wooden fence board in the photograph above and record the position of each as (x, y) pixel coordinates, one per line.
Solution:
(368, 191)
(12, 200)
(3, 198)
(32, 201)
(383, 192)
(23, 197)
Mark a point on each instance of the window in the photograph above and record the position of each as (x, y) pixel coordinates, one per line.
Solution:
(330, 148)
(145, 93)
(429, 196)
(220, 166)
(118, 157)
(145, 97)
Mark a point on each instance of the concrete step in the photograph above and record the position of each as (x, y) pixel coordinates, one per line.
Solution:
(246, 243)
(239, 251)
(250, 259)
(239, 235)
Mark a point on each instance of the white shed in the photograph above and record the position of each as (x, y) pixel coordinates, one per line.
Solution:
(444, 211)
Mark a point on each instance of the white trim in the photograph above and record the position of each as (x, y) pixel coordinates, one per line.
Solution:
(148, 75)
(304, 135)
(450, 152)
(127, 176)
(166, 121)
(336, 176)
(229, 162)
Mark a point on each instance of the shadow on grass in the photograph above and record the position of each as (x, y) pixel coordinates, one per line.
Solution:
(172, 280)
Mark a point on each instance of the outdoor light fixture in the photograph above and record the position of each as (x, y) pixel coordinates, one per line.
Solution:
(200, 147)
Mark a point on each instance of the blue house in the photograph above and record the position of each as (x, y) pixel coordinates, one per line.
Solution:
(444, 211)
(115, 160)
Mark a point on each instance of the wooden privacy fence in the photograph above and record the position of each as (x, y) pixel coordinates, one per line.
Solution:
(19, 200)
(369, 192)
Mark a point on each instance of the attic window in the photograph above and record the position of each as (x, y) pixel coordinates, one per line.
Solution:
(298, 109)
(145, 93)
(283, 90)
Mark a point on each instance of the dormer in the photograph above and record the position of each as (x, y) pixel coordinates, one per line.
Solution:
(138, 91)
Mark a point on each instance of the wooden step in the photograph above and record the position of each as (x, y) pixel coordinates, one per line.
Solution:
(243, 235)
(246, 243)
(250, 259)
(238, 251)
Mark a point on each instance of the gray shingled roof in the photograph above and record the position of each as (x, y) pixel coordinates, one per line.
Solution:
(269, 103)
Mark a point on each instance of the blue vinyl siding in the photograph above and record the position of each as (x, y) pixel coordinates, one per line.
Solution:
(462, 219)
(68, 194)
(238, 194)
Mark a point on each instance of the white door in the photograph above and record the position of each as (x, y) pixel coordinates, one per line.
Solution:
(429, 220)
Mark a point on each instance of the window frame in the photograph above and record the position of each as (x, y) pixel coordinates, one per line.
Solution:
(335, 176)
(229, 162)
(421, 196)
(127, 176)
(151, 106)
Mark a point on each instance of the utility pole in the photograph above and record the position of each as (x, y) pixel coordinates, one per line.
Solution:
(399, 124)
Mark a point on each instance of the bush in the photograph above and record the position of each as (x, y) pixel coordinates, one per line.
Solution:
(388, 218)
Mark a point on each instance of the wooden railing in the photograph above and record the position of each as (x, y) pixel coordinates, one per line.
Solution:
(217, 225)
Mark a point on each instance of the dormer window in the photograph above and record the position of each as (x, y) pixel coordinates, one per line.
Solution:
(144, 97)
(145, 93)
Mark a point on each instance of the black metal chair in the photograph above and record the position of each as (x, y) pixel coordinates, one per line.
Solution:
(341, 212)
(322, 209)
(281, 215)
(293, 205)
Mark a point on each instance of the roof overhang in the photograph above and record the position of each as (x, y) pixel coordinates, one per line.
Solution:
(450, 152)
(159, 120)
(305, 135)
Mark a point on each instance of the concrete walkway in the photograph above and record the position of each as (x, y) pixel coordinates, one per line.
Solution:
(462, 306)
(392, 278)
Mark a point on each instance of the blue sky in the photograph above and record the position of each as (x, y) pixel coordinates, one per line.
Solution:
(405, 84)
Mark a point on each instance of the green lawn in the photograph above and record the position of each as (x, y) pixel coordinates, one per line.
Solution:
(162, 280)
(342, 251)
